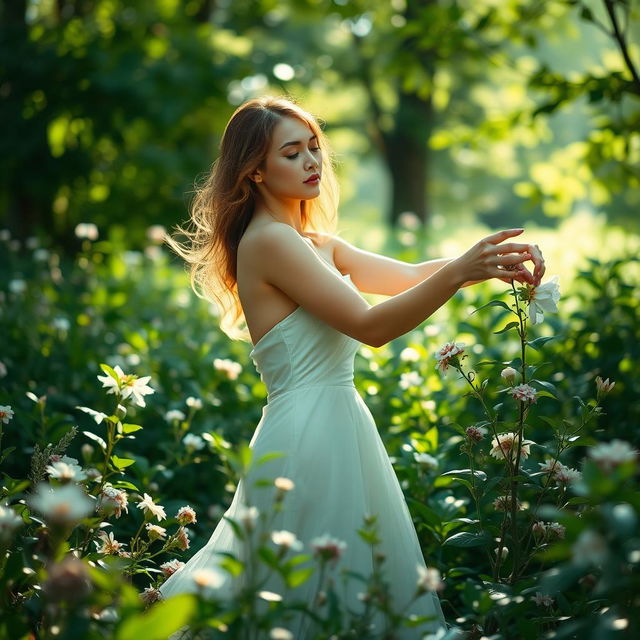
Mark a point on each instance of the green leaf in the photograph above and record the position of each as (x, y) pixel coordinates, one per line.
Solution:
(268, 556)
(162, 619)
(298, 577)
(539, 342)
(231, 564)
(509, 326)
(6, 452)
(130, 428)
(110, 372)
(123, 484)
(121, 463)
(495, 303)
(481, 475)
(269, 456)
(468, 539)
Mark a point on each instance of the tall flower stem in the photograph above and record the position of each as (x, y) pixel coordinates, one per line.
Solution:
(523, 410)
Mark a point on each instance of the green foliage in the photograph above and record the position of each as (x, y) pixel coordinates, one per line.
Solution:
(496, 110)
(130, 310)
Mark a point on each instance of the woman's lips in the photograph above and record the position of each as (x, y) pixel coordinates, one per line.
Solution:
(314, 179)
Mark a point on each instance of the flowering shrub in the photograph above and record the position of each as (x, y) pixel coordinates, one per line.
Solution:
(507, 437)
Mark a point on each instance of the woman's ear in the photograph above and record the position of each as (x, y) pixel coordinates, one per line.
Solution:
(256, 176)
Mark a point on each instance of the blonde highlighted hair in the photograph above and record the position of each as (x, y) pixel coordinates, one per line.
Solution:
(225, 201)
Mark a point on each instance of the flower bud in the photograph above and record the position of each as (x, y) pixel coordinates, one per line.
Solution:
(509, 375)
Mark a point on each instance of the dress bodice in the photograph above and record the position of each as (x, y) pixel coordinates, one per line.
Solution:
(302, 351)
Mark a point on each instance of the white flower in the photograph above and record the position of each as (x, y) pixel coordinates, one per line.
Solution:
(503, 553)
(9, 522)
(544, 298)
(66, 472)
(170, 567)
(127, 385)
(270, 596)
(409, 354)
(589, 548)
(208, 578)
(567, 475)
(524, 393)
(609, 455)
(327, 547)
(17, 286)
(87, 230)
(109, 544)
(542, 599)
(429, 579)
(604, 386)
(448, 355)
(186, 515)
(195, 403)
(410, 379)
(61, 323)
(551, 466)
(280, 633)
(193, 442)
(539, 528)
(506, 444)
(155, 531)
(509, 374)
(425, 460)
(174, 414)
(231, 368)
(284, 484)
(247, 516)
(61, 505)
(112, 500)
(6, 413)
(150, 508)
(151, 595)
(286, 540)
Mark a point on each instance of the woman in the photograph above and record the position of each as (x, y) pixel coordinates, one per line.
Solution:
(264, 246)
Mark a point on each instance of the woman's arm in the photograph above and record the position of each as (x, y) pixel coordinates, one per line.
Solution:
(282, 258)
(378, 274)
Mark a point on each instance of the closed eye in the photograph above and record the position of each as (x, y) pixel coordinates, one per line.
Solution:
(293, 156)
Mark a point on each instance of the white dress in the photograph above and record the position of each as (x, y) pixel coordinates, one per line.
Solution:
(339, 466)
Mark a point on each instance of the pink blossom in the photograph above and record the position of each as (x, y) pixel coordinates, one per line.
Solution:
(524, 393)
(170, 567)
(186, 515)
(448, 355)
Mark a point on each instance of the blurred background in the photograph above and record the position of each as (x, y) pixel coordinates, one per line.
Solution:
(500, 113)
(449, 119)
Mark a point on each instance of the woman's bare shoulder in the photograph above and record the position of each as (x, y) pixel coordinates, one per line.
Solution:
(321, 238)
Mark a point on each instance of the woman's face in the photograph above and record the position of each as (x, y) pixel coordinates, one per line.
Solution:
(293, 164)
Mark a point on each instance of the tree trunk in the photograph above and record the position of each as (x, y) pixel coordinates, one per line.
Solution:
(407, 156)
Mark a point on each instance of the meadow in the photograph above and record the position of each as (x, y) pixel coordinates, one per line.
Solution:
(126, 416)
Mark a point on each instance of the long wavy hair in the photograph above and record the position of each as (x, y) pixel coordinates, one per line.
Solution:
(225, 200)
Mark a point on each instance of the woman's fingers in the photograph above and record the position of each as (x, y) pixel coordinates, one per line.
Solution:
(513, 247)
(496, 238)
(538, 261)
(532, 252)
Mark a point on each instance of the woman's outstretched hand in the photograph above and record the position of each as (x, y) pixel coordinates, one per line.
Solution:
(490, 259)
